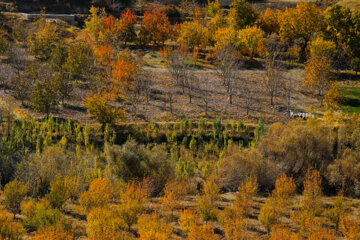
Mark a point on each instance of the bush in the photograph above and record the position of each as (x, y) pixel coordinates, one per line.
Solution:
(53, 233)
(14, 194)
(236, 165)
(268, 215)
(98, 195)
(61, 190)
(9, 228)
(153, 227)
(132, 160)
(132, 200)
(104, 224)
(188, 219)
(40, 215)
(206, 202)
(203, 232)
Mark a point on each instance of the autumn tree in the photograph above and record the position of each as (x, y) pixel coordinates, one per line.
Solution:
(45, 95)
(104, 224)
(319, 76)
(193, 34)
(14, 193)
(153, 227)
(78, 60)
(132, 200)
(62, 189)
(126, 26)
(98, 195)
(338, 211)
(23, 83)
(10, 229)
(44, 39)
(94, 23)
(249, 38)
(224, 37)
(188, 219)
(332, 98)
(99, 108)
(206, 201)
(342, 27)
(155, 27)
(202, 232)
(241, 14)
(269, 20)
(173, 193)
(301, 22)
(310, 204)
(322, 48)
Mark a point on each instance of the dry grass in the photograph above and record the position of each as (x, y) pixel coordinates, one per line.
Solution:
(354, 5)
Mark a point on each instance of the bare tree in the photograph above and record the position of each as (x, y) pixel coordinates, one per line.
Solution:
(226, 67)
(7, 73)
(288, 90)
(205, 92)
(178, 65)
(272, 77)
(192, 83)
(249, 95)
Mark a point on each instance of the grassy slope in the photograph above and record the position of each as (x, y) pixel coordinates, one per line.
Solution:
(351, 99)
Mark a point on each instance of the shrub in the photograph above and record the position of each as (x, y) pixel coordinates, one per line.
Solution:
(280, 232)
(173, 193)
(322, 234)
(52, 233)
(40, 215)
(233, 221)
(61, 190)
(153, 227)
(338, 211)
(203, 232)
(188, 219)
(98, 195)
(244, 198)
(9, 228)
(14, 194)
(268, 215)
(104, 224)
(350, 227)
(206, 201)
(132, 203)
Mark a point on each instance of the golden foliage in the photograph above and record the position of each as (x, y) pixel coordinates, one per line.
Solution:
(249, 38)
(206, 201)
(244, 198)
(350, 227)
(104, 224)
(332, 97)
(203, 232)
(132, 203)
(14, 192)
(52, 233)
(322, 234)
(188, 219)
(173, 193)
(153, 227)
(281, 232)
(9, 228)
(98, 195)
(193, 34)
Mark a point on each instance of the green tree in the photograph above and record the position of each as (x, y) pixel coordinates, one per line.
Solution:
(241, 14)
(78, 60)
(45, 95)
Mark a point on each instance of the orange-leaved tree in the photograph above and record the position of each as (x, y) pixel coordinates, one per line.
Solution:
(155, 27)
(126, 26)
